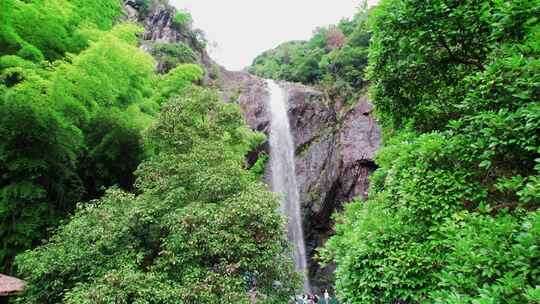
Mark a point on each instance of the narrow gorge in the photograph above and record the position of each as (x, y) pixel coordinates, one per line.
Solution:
(334, 141)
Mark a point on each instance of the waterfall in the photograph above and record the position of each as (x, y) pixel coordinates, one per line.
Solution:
(283, 175)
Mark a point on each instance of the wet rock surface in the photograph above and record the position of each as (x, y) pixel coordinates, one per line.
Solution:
(335, 146)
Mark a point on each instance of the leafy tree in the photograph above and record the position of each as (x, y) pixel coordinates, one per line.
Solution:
(491, 258)
(41, 29)
(419, 70)
(113, 64)
(176, 80)
(200, 224)
(335, 39)
(38, 152)
(68, 129)
(398, 246)
(452, 211)
(335, 58)
(115, 150)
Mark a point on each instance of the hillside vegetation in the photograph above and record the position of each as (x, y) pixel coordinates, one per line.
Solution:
(335, 59)
(452, 211)
(73, 103)
(119, 184)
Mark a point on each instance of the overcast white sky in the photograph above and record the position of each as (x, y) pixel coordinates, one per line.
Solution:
(242, 29)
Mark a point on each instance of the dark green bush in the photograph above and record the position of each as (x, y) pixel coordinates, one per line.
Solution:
(452, 211)
(170, 55)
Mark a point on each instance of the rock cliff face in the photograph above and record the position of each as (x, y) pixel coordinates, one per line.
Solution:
(335, 145)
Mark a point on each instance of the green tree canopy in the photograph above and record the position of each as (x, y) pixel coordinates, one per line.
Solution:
(68, 128)
(452, 215)
(199, 226)
(334, 58)
(47, 29)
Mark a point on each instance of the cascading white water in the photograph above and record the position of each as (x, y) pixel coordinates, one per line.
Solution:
(283, 179)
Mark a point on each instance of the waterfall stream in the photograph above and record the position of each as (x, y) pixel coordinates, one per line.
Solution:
(283, 175)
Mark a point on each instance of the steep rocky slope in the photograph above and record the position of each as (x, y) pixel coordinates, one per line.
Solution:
(335, 145)
(160, 28)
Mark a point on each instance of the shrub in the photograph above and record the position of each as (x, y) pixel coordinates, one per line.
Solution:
(170, 55)
(182, 19)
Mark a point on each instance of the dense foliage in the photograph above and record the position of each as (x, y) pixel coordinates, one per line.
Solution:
(200, 225)
(137, 180)
(76, 95)
(170, 55)
(74, 99)
(335, 57)
(452, 212)
(37, 30)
